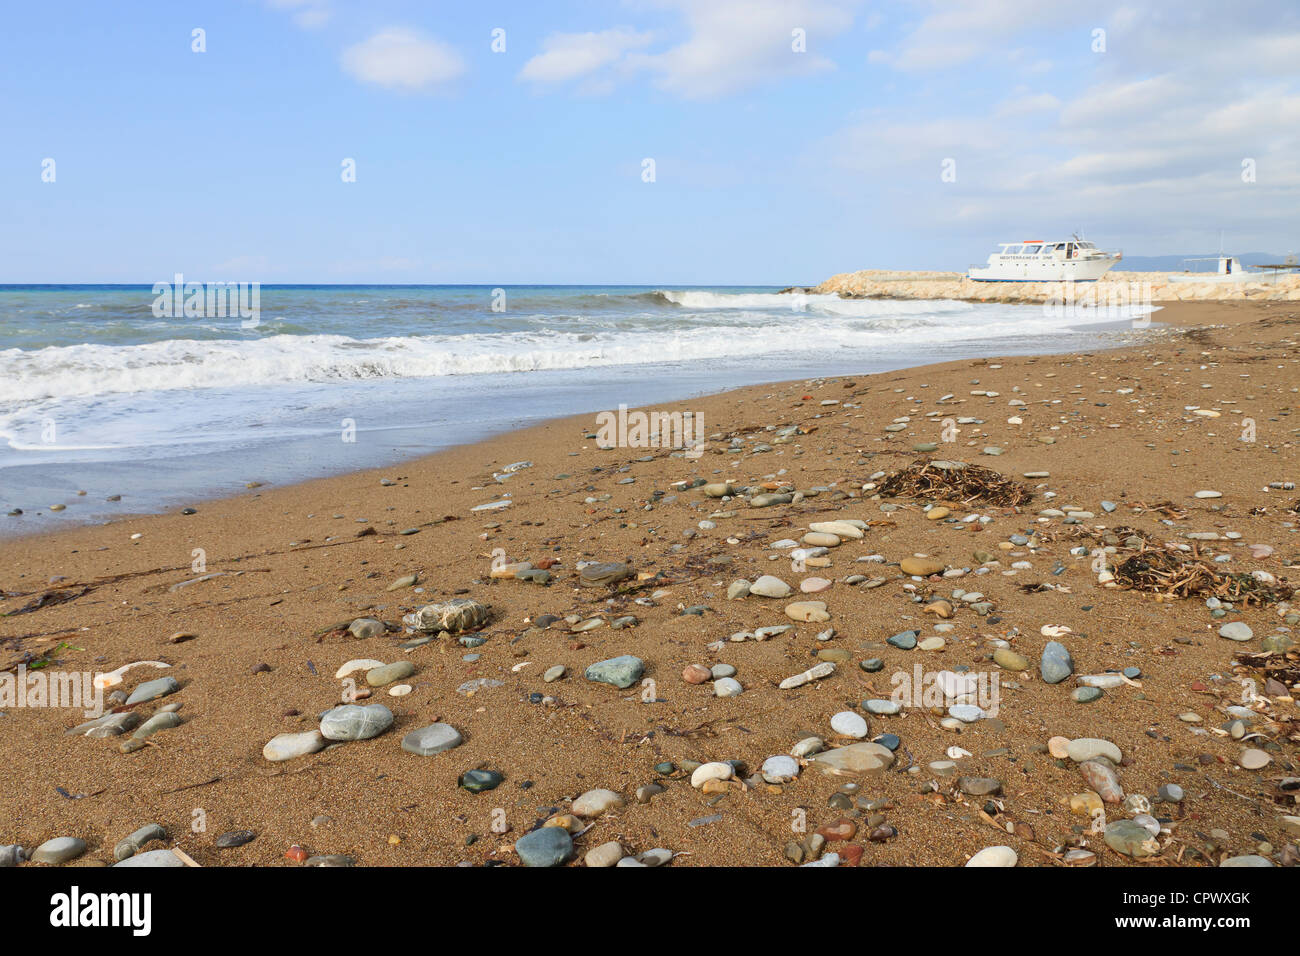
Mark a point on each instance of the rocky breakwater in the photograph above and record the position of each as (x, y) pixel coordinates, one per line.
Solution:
(1113, 287)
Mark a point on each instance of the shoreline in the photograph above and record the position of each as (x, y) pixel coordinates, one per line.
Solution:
(321, 457)
(289, 561)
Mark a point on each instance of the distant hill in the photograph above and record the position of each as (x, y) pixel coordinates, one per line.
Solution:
(1175, 263)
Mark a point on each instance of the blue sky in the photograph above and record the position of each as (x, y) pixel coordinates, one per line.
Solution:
(772, 166)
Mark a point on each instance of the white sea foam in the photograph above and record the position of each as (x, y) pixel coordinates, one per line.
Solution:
(834, 304)
(833, 324)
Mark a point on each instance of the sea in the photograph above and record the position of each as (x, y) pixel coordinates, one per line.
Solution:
(158, 398)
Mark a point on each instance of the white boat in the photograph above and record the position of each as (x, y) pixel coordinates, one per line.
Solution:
(1038, 260)
(1229, 269)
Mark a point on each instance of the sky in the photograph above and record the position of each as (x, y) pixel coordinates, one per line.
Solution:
(710, 142)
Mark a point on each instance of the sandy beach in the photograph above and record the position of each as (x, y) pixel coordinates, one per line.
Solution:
(265, 586)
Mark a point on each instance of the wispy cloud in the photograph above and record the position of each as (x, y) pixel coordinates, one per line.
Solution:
(405, 60)
(571, 56)
(729, 46)
(1148, 137)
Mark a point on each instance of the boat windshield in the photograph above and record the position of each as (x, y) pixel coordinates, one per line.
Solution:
(1033, 249)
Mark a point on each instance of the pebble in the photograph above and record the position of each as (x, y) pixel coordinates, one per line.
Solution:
(1010, 660)
(811, 611)
(1236, 631)
(966, 713)
(153, 689)
(1170, 793)
(816, 672)
(855, 758)
(904, 641)
(1089, 748)
(133, 844)
(433, 739)
(715, 770)
(696, 674)
(920, 567)
(388, 673)
(994, 856)
(1250, 859)
(1103, 780)
(780, 769)
(58, 850)
(727, 687)
(480, 781)
(1056, 663)
(848, 724)
(1252, 759)
(357, 664)
(355, 721)
(235, 838)
(153, 858)
(288, 746)
(1131, 839)
(770, 587)
(366, 627)
(595, 802)
(621, 672)
(607, 854)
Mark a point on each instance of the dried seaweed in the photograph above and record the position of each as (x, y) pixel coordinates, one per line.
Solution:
(49, 599)
(1166, 509)
(1176, 574)
(954, 481)
(1112, 537)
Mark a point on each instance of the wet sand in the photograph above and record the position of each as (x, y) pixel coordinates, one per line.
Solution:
(294, 561)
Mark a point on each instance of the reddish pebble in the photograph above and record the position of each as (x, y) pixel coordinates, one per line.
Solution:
(296, 853)
(851, 854)
(545, 563)
(696, 674)
(841, 829)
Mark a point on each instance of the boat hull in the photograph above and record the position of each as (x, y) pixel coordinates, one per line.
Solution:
(1076, 270)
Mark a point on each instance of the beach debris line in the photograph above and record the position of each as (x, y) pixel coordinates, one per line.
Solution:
(1174, 573)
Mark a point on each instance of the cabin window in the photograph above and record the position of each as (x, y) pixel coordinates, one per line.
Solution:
(1032, 250)
(1069, 250)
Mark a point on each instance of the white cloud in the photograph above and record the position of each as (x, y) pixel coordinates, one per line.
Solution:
(570, 56)
(730, 45)
(734, 44)
(1145, 141)
(958, 31)
(402, 59)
